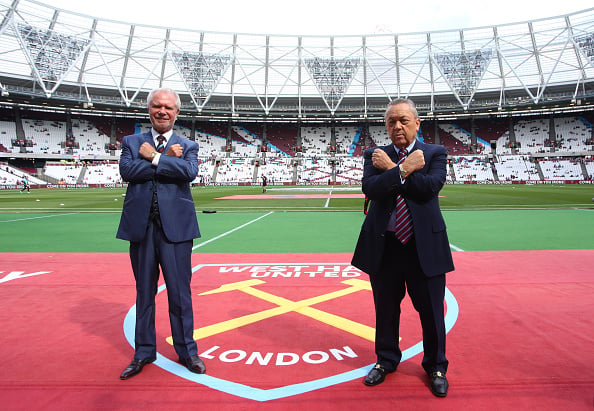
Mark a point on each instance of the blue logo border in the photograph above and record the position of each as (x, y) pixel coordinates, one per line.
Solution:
(258, 394)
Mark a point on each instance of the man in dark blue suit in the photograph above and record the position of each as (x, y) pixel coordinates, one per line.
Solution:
(159, 220)
(403, 244)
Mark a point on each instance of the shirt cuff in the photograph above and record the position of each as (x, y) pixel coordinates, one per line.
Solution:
(155, 160)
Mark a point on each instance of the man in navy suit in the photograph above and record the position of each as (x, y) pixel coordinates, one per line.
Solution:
(403, 244)
(159, 220)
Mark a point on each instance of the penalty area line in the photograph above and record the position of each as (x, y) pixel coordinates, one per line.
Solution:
(35, 218)
(231, 231)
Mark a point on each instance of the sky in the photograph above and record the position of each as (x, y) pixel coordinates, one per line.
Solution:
(314, 17)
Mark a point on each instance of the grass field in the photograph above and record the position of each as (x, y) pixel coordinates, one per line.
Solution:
(454, 197)
(479, 217)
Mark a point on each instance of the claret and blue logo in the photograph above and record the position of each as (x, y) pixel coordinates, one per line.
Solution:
(272, 330)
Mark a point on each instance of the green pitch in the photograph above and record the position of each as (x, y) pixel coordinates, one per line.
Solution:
(479, 217)
(454, 197)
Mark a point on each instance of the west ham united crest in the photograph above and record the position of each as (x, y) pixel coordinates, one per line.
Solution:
(272, 330)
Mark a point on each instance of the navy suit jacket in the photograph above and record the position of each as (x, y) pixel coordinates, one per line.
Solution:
(172, 177)
(420, 191)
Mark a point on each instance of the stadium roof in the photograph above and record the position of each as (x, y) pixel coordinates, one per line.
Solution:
(59, 59)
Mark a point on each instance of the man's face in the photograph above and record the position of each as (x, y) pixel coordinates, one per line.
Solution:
(163, 112)
(401, 125)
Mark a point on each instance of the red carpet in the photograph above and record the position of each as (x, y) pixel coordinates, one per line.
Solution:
(292, 331)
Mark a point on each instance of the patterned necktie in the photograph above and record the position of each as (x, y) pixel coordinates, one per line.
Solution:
(155, 203)
(401, 222)
(160, 144)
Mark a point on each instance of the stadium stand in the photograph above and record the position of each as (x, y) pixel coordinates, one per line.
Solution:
(205, 171)
(379, 136)
(283, 137)
(349, 170)
(235, 169)
(7, 135)
(314, 170)
(309, 154)
(48, 137)
(12, 176)
(472, 168)
(103, 172)
(531, 136)
(559, 169)
(464, 137)
(276, 169)
(516, 168)
(90, 140)
(572, 134)
(68, 173)
(61, 109)
(589, 166)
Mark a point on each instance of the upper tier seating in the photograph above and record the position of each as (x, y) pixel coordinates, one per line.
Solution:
(47, 135)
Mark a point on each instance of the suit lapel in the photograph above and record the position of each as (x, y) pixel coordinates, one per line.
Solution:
(173, 140)
(148, 137)
(419, 145)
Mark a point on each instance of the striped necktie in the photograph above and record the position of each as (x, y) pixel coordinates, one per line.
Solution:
(160, 144)
(401, 221)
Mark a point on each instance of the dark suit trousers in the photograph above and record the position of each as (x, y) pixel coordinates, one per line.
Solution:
(400, 272)
(175, 261)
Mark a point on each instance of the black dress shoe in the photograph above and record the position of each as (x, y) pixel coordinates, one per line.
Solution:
(194, 364)
(376, 375)
(439, 384)
(134, 368)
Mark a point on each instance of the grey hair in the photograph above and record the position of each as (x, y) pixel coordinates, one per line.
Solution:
(408, 101)
(171, 91)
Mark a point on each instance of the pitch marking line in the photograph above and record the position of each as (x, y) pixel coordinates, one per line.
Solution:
(455, 248)
(328, 199)
(34, 218)
(231, 231)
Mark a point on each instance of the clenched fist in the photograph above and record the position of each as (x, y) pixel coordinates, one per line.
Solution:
(175, 150)
(413, 162)
(381, 160)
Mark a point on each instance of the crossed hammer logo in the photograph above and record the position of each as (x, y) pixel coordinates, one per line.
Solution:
(284, 305)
